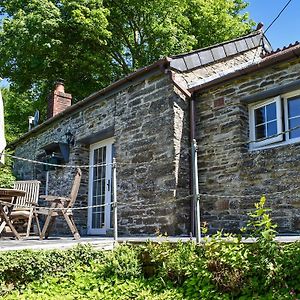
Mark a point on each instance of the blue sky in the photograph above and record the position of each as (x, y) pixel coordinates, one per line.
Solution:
(286, 29)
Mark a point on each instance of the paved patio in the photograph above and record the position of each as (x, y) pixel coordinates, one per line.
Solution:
(104, 243)
(35, 243)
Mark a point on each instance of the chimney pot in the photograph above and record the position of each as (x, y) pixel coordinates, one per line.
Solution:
(58, 100)
(59, 86)
(259, 26)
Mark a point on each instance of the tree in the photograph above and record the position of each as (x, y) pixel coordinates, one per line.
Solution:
(17, 109)
(91, 43)
(143, 30)
(41, 41)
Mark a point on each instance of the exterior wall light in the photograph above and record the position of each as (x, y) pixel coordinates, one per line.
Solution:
(70, 138)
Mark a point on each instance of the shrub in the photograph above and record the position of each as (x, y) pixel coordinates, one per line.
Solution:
(17, 268)
(217, 269)
(264, 266)
(123, 262)
(289, 260)
(7, 177)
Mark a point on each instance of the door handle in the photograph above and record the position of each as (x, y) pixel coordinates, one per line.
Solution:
(108, 185)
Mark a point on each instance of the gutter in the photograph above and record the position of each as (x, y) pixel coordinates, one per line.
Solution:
(182, 89)
(193, 157)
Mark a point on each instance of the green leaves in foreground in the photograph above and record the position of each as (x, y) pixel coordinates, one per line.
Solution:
(222, 268)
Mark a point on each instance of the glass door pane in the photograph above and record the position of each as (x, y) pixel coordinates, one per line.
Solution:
(100, 185)
(99, 178)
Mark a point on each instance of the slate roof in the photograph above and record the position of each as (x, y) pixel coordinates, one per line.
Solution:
(182, 63)
(188, 61)
(268, 60)
(292, 45)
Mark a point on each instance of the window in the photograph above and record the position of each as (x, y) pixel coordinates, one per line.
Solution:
(292, 106)
(266, 123)
(275, 121)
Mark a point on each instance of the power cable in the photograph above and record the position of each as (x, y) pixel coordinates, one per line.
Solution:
(279, 14)
(271, 24)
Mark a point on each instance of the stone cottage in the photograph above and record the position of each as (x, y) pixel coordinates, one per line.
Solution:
(238, 99)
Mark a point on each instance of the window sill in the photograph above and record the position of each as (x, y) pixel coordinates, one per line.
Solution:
(276, 145)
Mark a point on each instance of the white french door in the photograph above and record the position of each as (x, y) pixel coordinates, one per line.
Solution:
(100, 187)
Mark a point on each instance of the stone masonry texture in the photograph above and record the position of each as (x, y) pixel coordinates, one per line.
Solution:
(151, 149)
(233, 177)
(150, 118)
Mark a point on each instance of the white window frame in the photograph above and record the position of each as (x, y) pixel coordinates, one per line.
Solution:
(286, 97)
(271, 140)
(108, 143)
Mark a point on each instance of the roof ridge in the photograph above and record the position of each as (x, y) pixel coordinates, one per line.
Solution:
(291, 45)
(253, 33)
(202, 57)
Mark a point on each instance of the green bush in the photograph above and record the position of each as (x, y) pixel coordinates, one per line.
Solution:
(6, 173)
(223, 267)
(123, 262)
(17, 268)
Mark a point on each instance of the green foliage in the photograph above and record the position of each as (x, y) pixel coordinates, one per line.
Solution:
(261, 223)
(227, 262)
(265, 266)
(41, 41)
(223, 20)
(17, 109)
(223, 267)
(6, 175)
(289, 260)
(170, 262)
(85, 285)
(91, 43)
(20, 267)
(122, 262)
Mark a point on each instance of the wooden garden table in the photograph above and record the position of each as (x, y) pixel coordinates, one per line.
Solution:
(8, 199)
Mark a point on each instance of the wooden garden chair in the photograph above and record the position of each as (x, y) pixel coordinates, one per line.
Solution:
(25, 206)
(61, 206)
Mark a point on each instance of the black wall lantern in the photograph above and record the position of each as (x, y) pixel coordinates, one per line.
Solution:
(58, 152)
(70, 138)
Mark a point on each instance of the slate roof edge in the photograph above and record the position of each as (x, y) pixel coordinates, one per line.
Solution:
(281, 49)
(253, 33)
(162, 63)
(269, 60)
(199, 58)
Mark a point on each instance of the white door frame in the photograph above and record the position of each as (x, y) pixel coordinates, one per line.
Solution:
(108, 143)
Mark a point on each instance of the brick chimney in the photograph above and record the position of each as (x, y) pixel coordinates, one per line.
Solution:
(58, 100)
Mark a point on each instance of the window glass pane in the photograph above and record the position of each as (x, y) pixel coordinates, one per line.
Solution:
(271, 111)
(95, 156)
(260, 131)
(271, 128)
(292, 124)
(294, 107)
(260, 115)
(95, 188)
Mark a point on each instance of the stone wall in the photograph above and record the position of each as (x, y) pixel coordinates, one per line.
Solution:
(151, 144)
(234, 177)
(219, 68)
